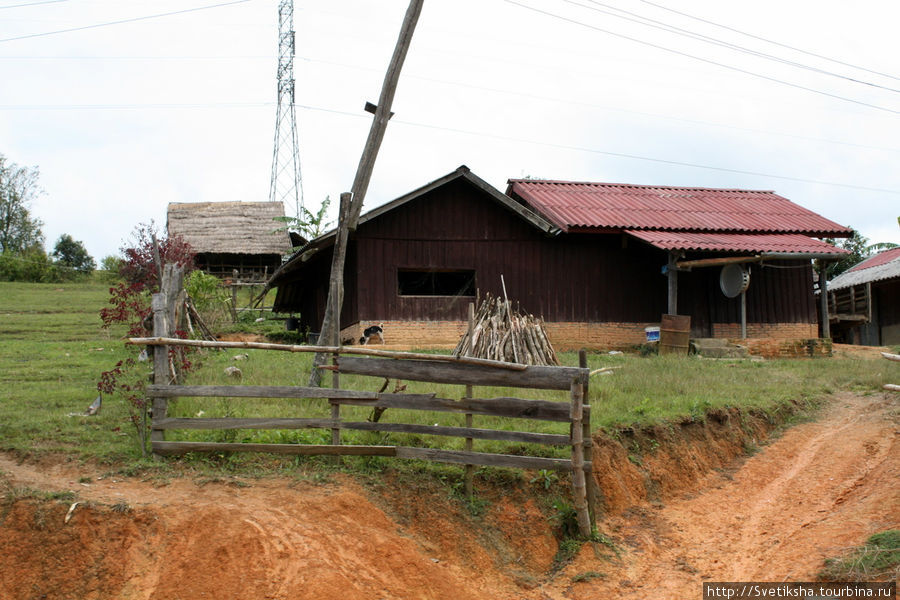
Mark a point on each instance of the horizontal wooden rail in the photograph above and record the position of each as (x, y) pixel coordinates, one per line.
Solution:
(433, 454)
(463, 360)
(545, 378)
(517, 408)
(461, 457)
(170, 448)
(549, 439)
(256, 391)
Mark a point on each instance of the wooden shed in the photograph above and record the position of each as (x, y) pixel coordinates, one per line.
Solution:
(864, 301)
(229, 236)
(592, 262)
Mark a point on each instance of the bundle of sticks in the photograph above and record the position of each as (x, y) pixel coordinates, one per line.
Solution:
(499, 333)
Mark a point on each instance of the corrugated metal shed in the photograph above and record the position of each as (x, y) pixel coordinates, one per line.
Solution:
(788, 243)
(229, 227)
(882, 266)
(584, 206)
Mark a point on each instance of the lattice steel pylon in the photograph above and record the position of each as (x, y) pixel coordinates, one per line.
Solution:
(286, 184)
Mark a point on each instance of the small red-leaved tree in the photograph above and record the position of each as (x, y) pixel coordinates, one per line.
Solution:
(129, 302)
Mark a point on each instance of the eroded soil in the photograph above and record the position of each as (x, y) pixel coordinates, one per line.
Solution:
(818, 488)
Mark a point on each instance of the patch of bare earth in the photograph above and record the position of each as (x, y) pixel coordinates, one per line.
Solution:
(820, 487)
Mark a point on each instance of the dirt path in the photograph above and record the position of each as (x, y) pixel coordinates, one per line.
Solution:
(822, 486)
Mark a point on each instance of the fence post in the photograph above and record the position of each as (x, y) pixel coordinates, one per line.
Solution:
(470, 391)
(335, 406)
(163, 309)
(588, 442)
(160, 366)
(578, 478)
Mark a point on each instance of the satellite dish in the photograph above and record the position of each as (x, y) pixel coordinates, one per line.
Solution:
(734, 280)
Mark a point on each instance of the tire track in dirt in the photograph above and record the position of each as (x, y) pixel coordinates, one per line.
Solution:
(821, 487)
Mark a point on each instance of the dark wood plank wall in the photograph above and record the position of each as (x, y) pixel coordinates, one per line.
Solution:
(565, 278)
(307, 294)
(779, 292)
(888, 318)
(571, 277)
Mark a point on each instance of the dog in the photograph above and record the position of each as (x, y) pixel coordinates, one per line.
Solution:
(371, 332)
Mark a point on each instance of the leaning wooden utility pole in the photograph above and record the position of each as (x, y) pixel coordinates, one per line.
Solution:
(330, 332)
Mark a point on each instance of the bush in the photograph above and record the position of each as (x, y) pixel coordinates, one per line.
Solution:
(210, 299)
(31, 265)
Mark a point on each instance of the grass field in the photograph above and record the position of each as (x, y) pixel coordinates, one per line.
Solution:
(53, 349)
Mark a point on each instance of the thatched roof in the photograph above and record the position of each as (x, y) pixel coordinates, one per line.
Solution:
(229, 227)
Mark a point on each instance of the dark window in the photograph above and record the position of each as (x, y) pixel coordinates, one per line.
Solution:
(430, 282)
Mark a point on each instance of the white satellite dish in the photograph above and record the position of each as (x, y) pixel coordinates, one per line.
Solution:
(734, 280)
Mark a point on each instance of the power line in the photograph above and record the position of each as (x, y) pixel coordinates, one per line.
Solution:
(200, 105)
(769, 41)
(33, 3)
(648, 22)
(608, 152)
(134, 106)
(122, 21)
(705, 60)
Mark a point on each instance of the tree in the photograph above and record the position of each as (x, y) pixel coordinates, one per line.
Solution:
(111, 263)
(19, 230)
(72, 254)
(309, 225)
(139, 265)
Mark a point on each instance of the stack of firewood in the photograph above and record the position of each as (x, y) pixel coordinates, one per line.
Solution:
(500, 333)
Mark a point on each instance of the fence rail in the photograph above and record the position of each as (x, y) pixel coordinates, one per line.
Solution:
(405, 366)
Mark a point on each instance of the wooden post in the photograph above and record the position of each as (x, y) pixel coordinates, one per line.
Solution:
(163, 310)
(470, 390)
(588, 443)
(869, 301)
(744, 315)
(579, 492)
(336, 406)
(823, 300)
(672, 276)
(160, 366)
(331, 326)
(234, 287)
(364, 170)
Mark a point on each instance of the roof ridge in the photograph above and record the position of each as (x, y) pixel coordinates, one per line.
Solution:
(637, 185)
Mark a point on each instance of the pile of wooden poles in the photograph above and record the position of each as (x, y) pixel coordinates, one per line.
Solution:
(499, 333)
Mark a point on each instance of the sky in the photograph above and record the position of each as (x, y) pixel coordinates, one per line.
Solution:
(124, 108)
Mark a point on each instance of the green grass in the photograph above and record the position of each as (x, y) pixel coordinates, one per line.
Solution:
(876, 560)
(53, 349)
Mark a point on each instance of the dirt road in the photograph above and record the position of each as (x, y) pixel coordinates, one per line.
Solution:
(820, 487)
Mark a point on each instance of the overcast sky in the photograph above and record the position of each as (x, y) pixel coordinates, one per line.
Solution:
(122, 119)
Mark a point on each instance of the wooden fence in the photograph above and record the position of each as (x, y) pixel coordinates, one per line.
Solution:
(393, 365)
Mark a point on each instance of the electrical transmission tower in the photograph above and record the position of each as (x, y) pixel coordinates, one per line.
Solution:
(286, 185)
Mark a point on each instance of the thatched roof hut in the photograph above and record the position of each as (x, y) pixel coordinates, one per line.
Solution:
(232, 235)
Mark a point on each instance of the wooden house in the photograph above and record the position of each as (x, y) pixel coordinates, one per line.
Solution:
(864, 301)
(599, 262)
(232, 236)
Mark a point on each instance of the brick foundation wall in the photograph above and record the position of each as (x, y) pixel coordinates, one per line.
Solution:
(790, 348)
(784, 331)
(413, 334)
(596, 336)
(767, 339)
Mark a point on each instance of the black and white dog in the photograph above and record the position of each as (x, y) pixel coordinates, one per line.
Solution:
(371, 332)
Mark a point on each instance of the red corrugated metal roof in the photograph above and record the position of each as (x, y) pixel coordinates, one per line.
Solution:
(882, 258)
(582, 205)
(736, 242)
